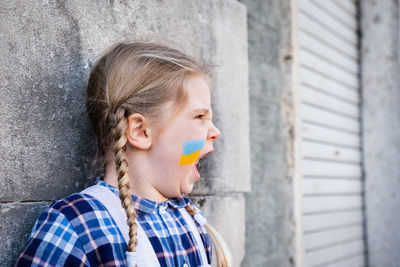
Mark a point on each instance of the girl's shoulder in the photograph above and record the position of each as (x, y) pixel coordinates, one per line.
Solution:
(78, 205)
(84, 205)
(78, 229)
(82, 213)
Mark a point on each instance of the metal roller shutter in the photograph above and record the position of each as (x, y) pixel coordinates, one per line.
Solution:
(332, 205)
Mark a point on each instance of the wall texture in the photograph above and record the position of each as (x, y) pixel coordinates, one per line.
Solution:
(47, 49)
(269, 207)
(381, 128)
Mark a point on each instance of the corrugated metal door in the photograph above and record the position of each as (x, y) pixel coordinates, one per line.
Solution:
(332, 206)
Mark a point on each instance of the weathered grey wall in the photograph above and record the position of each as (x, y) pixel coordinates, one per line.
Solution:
(47, 49)
(381, 128)
(269, 206)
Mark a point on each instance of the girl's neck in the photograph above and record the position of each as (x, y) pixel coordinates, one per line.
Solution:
(138, 187)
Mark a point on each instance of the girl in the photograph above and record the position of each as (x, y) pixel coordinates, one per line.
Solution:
(149, 106)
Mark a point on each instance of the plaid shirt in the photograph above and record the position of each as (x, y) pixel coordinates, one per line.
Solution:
(78, 231)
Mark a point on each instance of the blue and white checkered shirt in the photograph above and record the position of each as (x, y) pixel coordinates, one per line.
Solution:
(78, 231)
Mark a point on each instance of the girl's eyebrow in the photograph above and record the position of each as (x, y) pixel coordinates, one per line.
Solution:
(205, 110)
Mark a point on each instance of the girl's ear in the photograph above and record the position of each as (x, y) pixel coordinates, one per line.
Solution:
(138, 132)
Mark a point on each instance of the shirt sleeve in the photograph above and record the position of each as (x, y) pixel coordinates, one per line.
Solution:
(54, 242)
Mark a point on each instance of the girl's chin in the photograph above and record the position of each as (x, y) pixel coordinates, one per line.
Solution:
(187, 189)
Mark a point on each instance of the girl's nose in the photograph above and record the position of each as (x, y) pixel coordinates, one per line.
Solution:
(213, 132)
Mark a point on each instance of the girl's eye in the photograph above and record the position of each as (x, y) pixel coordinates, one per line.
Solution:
(199, 116)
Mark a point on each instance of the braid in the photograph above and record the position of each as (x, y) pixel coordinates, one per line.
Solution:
(224, 257)
(189, 208)
(119, 133)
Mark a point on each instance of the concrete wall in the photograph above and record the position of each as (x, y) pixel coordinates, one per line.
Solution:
(47, 49)
(381, 128)
(269, 206)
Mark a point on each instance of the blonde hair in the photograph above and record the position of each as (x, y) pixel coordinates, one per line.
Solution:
(139, 77)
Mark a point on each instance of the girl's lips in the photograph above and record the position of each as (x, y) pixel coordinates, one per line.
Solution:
(204, 155)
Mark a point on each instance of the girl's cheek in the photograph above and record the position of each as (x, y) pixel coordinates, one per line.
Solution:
(191, 151)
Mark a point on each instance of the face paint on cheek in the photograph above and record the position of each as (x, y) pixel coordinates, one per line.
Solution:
(191, 151)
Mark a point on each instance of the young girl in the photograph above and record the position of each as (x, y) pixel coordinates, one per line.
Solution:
(149, 106)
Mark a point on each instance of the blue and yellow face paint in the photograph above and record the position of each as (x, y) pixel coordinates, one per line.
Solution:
(191, 151)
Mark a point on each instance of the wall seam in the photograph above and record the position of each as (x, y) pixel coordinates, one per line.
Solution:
(361, 112)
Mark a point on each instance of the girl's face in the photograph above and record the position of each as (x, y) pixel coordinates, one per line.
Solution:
(175, 175)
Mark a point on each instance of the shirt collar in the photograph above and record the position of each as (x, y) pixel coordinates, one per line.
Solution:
(146, 205)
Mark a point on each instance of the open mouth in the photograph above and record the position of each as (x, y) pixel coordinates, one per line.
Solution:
(196, 171)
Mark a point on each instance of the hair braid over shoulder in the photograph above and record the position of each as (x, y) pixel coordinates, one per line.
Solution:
(224, 258)
(121, 163)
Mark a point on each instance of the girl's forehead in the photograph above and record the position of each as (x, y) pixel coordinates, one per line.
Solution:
(198, 92)
(198, 104)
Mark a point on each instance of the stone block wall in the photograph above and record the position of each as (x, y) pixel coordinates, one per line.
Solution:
(47, 50)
